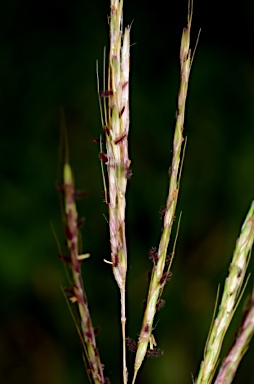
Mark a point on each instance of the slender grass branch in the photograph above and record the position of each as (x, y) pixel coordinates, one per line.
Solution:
(235, 355)
(77, 293)
(159, 275)
(230, 298)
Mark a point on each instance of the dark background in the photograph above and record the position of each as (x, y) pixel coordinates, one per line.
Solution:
(48, 55)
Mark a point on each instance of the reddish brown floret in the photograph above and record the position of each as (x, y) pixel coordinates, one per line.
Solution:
(96, 140)
(156, 352)
(106, 93)
(153, 255)
(165, 277)
(128, 173)
(131, 344)
(68, 233)
(115, 260)
(89, 336)
(160, 304)
(103, 157)
(162, 213)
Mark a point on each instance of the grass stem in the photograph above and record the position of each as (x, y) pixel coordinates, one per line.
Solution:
(77, 294)
(235, 355)
(230, 299)
(157, 281)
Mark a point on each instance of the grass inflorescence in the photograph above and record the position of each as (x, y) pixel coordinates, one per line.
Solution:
(116, 171)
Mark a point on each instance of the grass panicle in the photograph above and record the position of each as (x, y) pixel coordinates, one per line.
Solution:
(115, 121)
(157, 282)
(114, 157)
(77, 293)
(230, 298)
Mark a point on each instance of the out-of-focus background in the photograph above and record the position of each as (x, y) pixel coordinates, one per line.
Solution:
(48, 55)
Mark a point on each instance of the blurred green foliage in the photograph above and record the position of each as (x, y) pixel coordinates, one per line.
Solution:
(48, 55)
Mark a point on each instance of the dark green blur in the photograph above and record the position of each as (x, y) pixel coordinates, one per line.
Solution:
(48, 53)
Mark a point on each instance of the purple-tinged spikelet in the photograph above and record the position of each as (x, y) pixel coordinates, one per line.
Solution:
(68, 233)
(165, 277)
(160, 304)
(162, 212)
(115, 260)
(103, 157)
(106, 93)
(168, 259)
(95, 140)
(153, 255)
(155, 352)
(128, 173)
(131, 344)
(89, 336)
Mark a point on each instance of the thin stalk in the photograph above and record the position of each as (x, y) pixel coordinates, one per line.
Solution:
(115, 121)
(232, 293)
(159, 274)
(235, 355)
